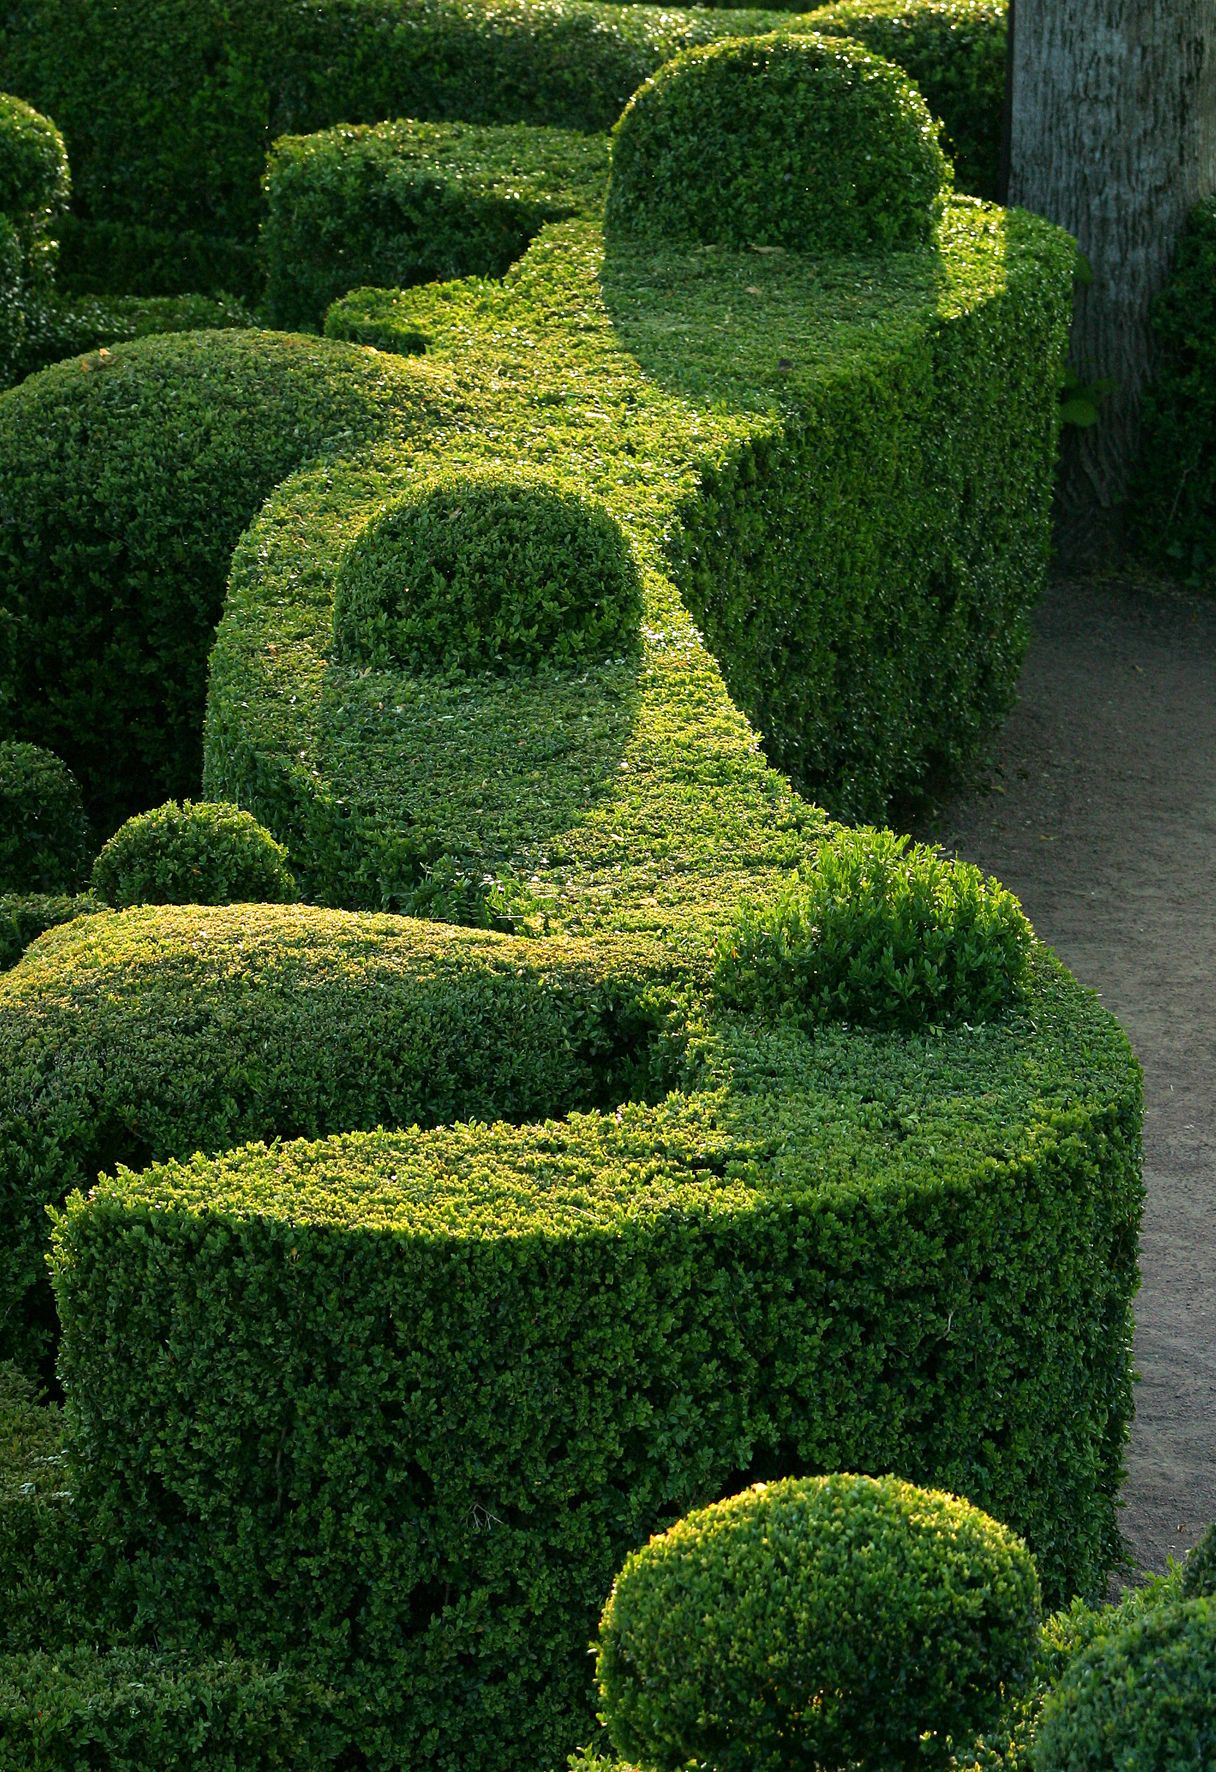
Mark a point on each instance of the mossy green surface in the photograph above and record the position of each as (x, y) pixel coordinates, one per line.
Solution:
(401, 203)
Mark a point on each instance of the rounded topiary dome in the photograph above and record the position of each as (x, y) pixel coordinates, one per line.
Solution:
(487, 569)
(33, 161)
(1143, 1698)
(825, 1621)
(200, 852)
(810, 143)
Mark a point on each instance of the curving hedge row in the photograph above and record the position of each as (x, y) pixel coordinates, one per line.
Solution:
(432, 1269)
(214, 86)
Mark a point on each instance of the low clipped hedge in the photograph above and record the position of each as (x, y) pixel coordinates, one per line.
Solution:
(193, 854)
(128, 1710)
(44, 834)
(1172, 505)
(581, 1329)
(1139, 1697)
(402, 203)
(839, 1621)
(212, 87)
(809, 143)
(224, 1025)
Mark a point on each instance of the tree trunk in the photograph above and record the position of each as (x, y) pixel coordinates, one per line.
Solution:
(1113, 136)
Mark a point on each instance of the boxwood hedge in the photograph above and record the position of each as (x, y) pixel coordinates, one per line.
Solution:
(432, 1269)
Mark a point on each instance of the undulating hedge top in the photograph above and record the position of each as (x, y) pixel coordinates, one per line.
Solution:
(809, 143)
(840, 1621)
(403, 202)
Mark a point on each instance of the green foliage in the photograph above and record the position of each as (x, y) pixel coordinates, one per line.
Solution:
(44, 834)
(26, 915)
(34, 188)
(1199, 1570)
(954, 51)
(880, 931)
(224, 1025)
(809, 143)
(487, 570)
(194, 853)
(1172, 501)
(405, 203)
(831, 1621)
(128, 1710)
(125, 480)
(1140, 1698)
(213, 84)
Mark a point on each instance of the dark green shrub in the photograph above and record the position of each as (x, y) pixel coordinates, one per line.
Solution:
(44, 834)
(195, 853)
(881, 931)
(405, 203)
(34, 181)
(485, 571)
(125, 481)
(129, 1710)
(809, 143)
(1140, 1700)
(24, 916)
(1199, 1570)
(33, 193)
(1172, 502)
(827, 1621)
(954, 50)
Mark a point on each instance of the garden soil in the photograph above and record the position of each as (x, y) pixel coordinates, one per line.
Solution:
(1099, 811)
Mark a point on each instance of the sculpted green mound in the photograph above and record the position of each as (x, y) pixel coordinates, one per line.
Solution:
(809, 143)
(486, 569)
(193, 854)
(826, 1621)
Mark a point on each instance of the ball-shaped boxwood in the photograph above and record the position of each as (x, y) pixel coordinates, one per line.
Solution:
(819, 1621)
(1140, 1700)
(195, 853)
(44, 834)
(1199, 1570)
(808, 143)
(487, 569)
(879, 931)
(33, 161)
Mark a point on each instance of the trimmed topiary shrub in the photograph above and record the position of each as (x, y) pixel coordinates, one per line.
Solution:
(406, 202)
(809, 143)
(1199, 1570)
(486, 570)
(44, 834)
(882, 931)
(954, 50)
(33, 193)
(24, 916)
(195, 853)
(1140, 1700)
(827, 1621)
(129, 1710)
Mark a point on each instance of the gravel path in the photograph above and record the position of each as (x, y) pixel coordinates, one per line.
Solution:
(1099, 811)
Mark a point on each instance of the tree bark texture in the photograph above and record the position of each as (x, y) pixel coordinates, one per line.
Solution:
(1113, 136)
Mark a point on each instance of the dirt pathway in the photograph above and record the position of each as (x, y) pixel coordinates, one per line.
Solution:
(1100, 813)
